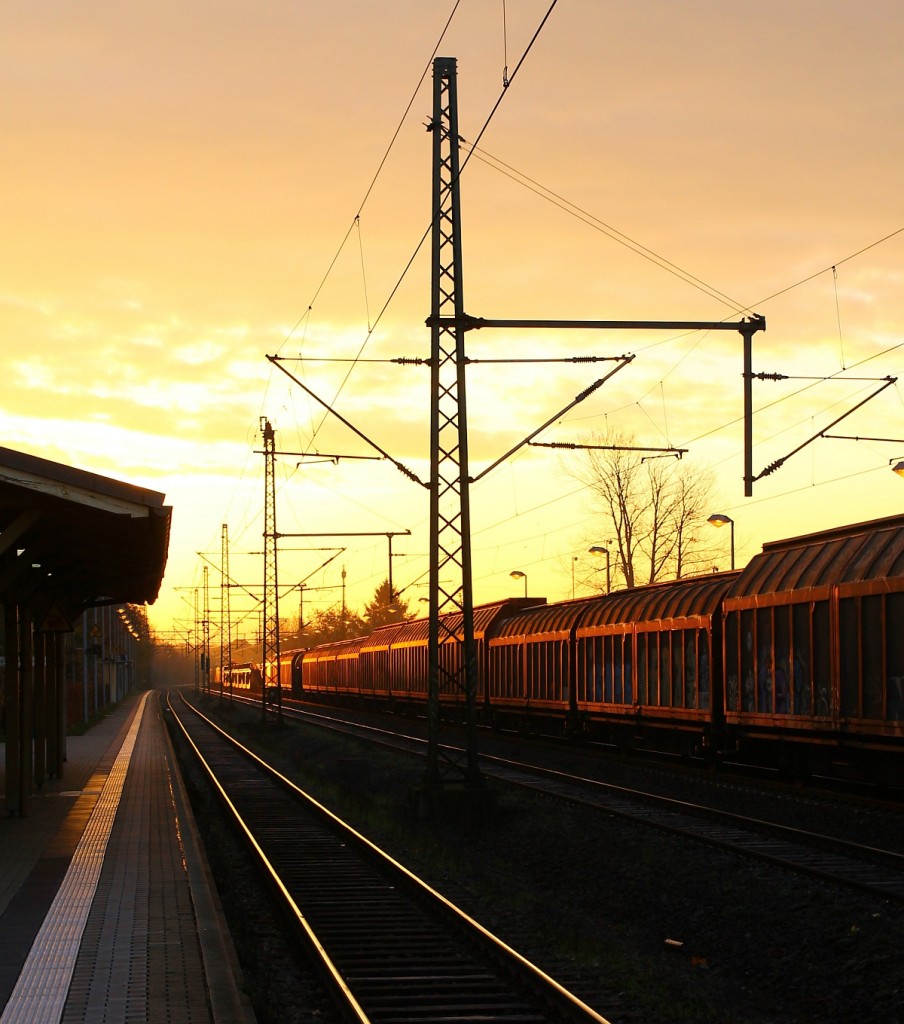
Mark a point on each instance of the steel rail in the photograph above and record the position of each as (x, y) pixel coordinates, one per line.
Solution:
(565, 1005)
(830, 858)
(330, 969)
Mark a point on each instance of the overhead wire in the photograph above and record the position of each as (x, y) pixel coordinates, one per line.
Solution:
(363, 273)
(606, 229)
(799, 391)
(379, 170)
(837, 263)
(356, 221)
(840, 374)
(812, 384)
(838, 314)
(353, 225)
(429, 227)
(759, 305)
(574, 211)
(521, 61)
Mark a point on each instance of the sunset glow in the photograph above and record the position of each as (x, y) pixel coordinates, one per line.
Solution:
(186, 189)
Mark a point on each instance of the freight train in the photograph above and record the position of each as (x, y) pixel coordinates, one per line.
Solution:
(795, 662)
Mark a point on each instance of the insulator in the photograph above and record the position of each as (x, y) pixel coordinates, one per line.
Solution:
(410, 474)
(588, 391)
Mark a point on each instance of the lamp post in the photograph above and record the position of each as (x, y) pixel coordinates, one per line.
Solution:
(720, 519)
(598, 549)
(517, 574)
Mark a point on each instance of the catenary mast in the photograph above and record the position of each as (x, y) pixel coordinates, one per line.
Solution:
(451, 593)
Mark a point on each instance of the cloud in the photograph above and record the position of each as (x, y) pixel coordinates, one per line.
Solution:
(182, 189)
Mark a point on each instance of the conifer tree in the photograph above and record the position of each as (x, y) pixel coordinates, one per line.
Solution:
(386, 607)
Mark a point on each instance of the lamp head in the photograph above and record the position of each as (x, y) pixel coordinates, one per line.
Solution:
(719, 519)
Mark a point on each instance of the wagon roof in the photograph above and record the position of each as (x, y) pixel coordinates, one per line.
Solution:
(335, 648)
(863, 551)
(415, 630)
(485, 616)
(383, 636)
(693, 597)
(351, 646)
(544, 622)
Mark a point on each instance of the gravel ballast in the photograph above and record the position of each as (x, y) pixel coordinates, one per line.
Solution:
(643, 926)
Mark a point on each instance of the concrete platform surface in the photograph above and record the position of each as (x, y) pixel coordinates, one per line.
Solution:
(107, 910)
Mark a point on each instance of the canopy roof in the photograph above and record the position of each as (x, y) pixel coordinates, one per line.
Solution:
(70, 539)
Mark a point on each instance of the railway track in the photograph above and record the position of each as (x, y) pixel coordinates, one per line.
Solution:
(834, 859)
(390, 947)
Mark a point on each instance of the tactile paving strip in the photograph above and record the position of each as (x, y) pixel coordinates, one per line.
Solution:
(41, 990)
(140, 957)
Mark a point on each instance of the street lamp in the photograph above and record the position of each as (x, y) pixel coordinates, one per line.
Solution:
(598, 549)
(898, 467)
(517, 574)
(720, 519)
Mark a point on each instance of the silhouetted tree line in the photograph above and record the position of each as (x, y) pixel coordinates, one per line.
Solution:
(337, 623)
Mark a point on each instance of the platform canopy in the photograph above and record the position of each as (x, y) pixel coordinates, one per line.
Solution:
(71, 540)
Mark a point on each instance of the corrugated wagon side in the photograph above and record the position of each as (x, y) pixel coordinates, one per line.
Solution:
(814, 651)
(648, 665)
(531, 667)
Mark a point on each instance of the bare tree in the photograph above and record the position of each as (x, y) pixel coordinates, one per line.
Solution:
(652, 505)
(693, 501)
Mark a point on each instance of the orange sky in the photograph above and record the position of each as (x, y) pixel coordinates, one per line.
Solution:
(176, 180)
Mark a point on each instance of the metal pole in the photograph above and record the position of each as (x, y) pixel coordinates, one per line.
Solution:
(732, 543)
(96, 657)
(12, 687)
(225, 613)
(270, 646)
(85, 666)
(199, 649)
(206, 625)
(747, 334)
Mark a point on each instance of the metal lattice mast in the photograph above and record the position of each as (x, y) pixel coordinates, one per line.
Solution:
(198, 645)
(206, 627)
(270, 667)
(451, 596)
(225, 612)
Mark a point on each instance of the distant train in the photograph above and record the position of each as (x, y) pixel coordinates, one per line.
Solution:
(795, 662)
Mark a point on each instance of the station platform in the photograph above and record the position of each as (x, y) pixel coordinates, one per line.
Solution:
(107, 911)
